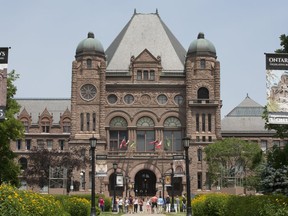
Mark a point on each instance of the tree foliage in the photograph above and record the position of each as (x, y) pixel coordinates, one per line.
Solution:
(10, 129)
(232, 158)
(41, 160)
(274, 176)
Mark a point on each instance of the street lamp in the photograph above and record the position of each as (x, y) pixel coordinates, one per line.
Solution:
(114, 209)
(172, 185)
(186, 144)
(93, 142)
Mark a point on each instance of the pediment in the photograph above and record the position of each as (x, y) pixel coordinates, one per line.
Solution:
(146, 56)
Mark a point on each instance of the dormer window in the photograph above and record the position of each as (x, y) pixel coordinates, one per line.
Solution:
(45, 125)
(145, 74)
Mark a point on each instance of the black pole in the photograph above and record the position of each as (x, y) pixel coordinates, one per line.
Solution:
(93, 209)
(172, 185)
(163, 186)
(114, 209)
(189, 208)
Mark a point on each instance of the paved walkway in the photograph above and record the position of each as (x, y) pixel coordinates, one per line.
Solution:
(143, 214)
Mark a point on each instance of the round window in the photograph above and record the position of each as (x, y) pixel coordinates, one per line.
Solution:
(88, 91)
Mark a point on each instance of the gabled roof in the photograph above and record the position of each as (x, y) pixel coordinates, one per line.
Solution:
(246, 117)
(145, 31)
(35, 107)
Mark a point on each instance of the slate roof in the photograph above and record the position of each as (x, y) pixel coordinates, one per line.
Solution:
(35, 107)
(145, 31)
(246, 117)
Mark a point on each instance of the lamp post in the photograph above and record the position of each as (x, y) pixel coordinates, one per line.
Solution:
(162, 179)
(114, 209)
(186, 144)
(172, 185)
(93, 142)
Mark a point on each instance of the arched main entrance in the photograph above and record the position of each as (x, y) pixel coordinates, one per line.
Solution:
(145, 183)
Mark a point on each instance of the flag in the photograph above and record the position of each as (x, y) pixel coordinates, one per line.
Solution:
(154, 142)
(132, 144)
(167, 143)
(123, 143)
(158, 146)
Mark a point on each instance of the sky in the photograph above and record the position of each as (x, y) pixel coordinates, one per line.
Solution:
(43, 36)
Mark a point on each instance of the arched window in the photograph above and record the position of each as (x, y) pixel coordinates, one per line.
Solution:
(89, 63)
(23, 163)
(145, 134)
(203, 93)
(118, 134)
(172, 134)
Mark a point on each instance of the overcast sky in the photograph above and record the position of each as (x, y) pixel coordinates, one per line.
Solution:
(43, 36)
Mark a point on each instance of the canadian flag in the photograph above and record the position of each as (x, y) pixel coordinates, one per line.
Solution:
(158, 145)
(154, 142)
(123, 143)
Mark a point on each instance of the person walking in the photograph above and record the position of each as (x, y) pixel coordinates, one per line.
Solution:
(184, 203)
(135, 203)
(160, 204)
(177, 204)
(140, 201)
(168, 203)
(120, 204)
(101, 203)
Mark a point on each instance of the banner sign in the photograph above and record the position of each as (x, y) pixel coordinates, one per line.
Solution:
(101, 168)
(4, 55)
(276, 61)
(119, 180)
(277, 87)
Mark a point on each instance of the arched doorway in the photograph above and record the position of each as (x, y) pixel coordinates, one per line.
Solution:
(145, 183)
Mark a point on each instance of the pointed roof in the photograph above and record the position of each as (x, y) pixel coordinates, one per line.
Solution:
(247, 107)
(246, 117)
(145, 31)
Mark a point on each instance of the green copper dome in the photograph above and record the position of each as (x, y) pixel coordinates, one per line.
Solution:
(201, 47)
(90, 45)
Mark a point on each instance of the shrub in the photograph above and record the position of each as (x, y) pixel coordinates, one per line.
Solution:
(26, 203)
(77, 206)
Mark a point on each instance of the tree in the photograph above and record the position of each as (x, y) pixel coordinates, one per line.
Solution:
(232, 158)
(283, 43)
(42, 160)
(274, 176)
(10, 129)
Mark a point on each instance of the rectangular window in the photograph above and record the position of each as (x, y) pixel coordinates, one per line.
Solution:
(45, 127)
(28, 144)
(144, 139)
(88, 121)
(66, 127)
(197, 122)
(26, 126)
(197, 138)
(152, 75)
(203, 139)
(202, 64)
(18, 144)
(49, 144)
(210, 138)
(276, 143)
(40, 144)
(139, 75)
(208, 181)
(203, 122)
(145, 75)
(81, 121)
(199, 180)
(94, 122)
(61, 145)
(209, 122)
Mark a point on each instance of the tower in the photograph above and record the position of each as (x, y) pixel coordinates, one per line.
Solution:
(203, 117)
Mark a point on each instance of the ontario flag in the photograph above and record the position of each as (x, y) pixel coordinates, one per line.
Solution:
(123, 143)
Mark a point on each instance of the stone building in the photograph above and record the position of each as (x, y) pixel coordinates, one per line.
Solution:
(138, 98)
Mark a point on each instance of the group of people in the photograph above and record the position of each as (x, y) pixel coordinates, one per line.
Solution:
(152, 204)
